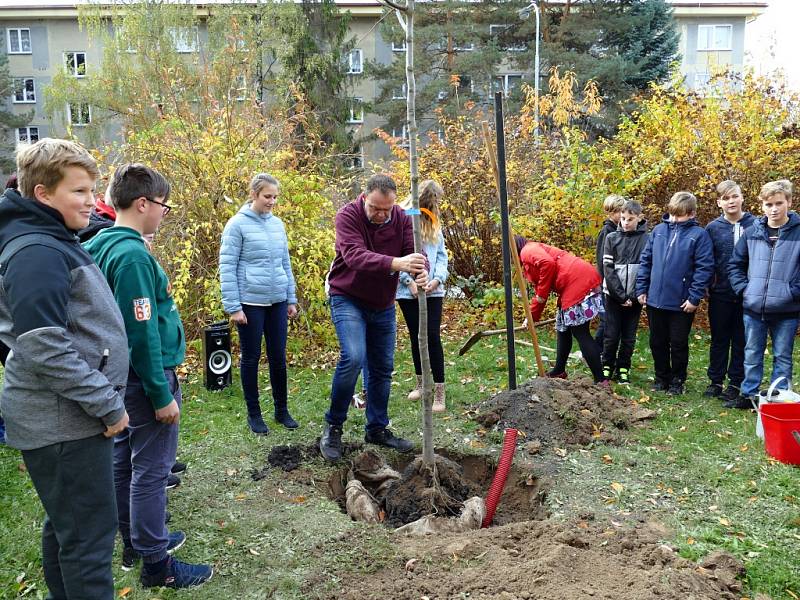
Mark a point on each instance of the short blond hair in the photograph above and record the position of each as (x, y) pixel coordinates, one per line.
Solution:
(613, 203)
(682, 204)
(726, 187)
(44, 162)
(772, 188)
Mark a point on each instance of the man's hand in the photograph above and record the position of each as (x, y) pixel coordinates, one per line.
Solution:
(291, 311)
(642, 298)
(170, 414)
(412, 263)
(627, 303)
(412, 287)
(688, 307)
(422, 279)
(432, 285)
(239, 317)
(118, 427)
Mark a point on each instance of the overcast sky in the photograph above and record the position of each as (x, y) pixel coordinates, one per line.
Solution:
(772, 41)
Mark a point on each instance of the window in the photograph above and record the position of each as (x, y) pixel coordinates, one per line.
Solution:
(357, 158)
(714, 37)
(507, 84)
(402, 133)
(463, 47)
(75, 63)
(400, 93)
(399, 46)
(19, 41)
(465, 84)
(27, 135)
(184, 39)
(24, 90)
(79, 114)
(355, 62)
(356, 110)
(502, 31)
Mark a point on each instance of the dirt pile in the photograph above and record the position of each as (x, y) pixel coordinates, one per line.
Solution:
(558, 412)
(547, 560)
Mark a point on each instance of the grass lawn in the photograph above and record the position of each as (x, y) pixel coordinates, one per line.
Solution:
(697, 468)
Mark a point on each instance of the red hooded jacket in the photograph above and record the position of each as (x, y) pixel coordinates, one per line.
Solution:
(551, 269)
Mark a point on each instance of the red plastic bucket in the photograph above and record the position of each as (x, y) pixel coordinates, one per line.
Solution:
(780, 420)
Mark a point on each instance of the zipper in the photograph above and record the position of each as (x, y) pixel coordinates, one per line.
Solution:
(769, 271)
(664, 262)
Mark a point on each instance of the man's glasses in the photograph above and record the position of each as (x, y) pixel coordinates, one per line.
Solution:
(163, 205)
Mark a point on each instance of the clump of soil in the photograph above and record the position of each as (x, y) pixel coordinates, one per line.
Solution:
(287, 458)
(547, 560)
(414, 495)
(558, 411)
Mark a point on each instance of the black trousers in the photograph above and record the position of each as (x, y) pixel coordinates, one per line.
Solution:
(669, 343)
(620, 333)
(410, 309)
(589, 349)
(726, 354)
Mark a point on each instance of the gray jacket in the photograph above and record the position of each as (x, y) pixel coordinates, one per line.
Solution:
(59, 318)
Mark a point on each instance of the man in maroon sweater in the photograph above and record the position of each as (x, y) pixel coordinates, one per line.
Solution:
(374, 242)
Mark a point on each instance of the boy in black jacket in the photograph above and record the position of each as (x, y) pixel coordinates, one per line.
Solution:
(621, 253)
(612, 206)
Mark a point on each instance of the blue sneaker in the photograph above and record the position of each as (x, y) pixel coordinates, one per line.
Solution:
(2, 432)
(177, 574)
(130, 556)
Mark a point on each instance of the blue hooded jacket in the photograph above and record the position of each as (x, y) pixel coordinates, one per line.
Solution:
(677, 264)
(721, 231)
(767, 275)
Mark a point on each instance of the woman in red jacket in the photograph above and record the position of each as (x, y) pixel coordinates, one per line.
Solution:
(577, 285)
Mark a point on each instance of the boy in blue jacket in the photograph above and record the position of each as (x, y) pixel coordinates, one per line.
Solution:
(675, 271)
(765, 271)
(724, 306)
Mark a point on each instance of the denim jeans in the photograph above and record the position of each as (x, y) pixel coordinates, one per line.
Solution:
(271, 323)
(366, 336)
(75, 482)
(782, 332)
(143, 457)
(727, 340)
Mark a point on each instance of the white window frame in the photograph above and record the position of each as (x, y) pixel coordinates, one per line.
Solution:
(25, 99)
(186, 40)
(505, 78)
(504, 27)
(404, 92)
(713, 27)
(73, 71)
(401, 47)
(356, 111)
(470, 47)
(71, 121)
(18, 34)
(355, 67)
(28, 130)
(357, 159)
(461, 87)
(403, 135)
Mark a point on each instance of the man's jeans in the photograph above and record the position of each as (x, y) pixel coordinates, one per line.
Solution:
(74, 481)
(365, 334)
(782, 332)
(143, 457)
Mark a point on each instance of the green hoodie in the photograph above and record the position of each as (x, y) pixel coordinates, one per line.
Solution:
(142, 291)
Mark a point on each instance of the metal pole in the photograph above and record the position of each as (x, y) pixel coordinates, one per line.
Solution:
(501, 167)
(536, 76)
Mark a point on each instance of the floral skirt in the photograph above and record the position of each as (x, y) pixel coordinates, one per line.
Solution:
(582, 312)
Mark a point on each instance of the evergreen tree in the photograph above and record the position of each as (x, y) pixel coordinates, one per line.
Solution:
(9, 121)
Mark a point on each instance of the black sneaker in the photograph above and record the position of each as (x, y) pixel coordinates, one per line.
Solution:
(177, 574)
(330, 444)
(675, 388)
(731, 393)
(741, 402)
(178, 468)
(385, 437)
(714, 390)
(659, 386)
(173, 481)
(623, 376)
(257, 425)
(285, 419)
(131, 556)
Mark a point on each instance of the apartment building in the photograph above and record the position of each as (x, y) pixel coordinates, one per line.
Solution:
(43, 36)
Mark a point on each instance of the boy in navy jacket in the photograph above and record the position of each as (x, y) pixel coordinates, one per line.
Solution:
(675, 271)
(724, 306)
(765, 271)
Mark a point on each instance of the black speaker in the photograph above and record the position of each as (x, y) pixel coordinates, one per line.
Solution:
(217, 355)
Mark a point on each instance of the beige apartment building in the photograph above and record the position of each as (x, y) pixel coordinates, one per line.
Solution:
(42, 36)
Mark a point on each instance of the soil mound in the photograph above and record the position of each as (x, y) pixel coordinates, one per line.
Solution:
(287, 458)
(547, 560)
(558, 411)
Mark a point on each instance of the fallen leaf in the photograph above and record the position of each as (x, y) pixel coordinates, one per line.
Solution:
(724, 522)
(606, 458)
(561, 452)
(690, 541)
(411, 565)
(241, 496)
(298, 499)
(230, 541)
(617, 487)
(254, 552)
(124, 592)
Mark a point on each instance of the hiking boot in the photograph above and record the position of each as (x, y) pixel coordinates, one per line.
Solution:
(131, 556)
(178, 468)
(385, 437)
(741, 402)
(257, 425)
(659, 386)
(416, 393)
(330, 444)
(173, 481)
(607, 370)
(177, 574)
(675, 388)
(438, 398)
(284, 418)
(731, 393)
(623, 376)
(556, 374)
(714, 390)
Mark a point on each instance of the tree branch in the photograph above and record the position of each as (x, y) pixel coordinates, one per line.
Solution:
(393, 5)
